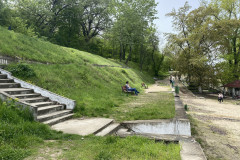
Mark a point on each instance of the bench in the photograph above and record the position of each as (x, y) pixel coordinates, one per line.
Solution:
(124, 89)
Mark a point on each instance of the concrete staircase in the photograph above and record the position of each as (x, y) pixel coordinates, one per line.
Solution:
(47, 111)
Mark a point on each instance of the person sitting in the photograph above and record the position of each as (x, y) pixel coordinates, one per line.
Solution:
(131, 89)
(144, 85)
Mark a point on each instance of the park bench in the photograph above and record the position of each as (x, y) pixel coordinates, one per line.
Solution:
(124, 89)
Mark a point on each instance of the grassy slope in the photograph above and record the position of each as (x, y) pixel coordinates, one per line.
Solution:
(72, 73)
(97, 92)
(20, 137)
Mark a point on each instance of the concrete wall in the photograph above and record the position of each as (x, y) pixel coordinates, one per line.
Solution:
(70, 104)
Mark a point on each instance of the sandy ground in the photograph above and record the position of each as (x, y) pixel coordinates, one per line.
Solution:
(218, 125)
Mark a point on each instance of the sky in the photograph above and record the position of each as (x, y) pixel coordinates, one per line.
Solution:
(163, 23)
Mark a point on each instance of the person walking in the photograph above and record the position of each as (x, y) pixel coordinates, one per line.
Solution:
(170, 80)
(220, 97)
(173, 81)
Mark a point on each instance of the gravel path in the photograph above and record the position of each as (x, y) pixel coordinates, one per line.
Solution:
(217, 125)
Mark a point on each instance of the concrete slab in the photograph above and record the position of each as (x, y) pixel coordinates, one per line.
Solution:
(109, 129)
(191, 150)
(83, 126)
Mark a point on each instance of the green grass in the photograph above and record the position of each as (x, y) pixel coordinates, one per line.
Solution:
(21, 137)
(19, 134)
(97, 90)
(148, 106)
(17, 45)
(110, 148)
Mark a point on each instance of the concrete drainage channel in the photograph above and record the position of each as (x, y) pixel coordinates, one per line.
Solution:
(169, 127)
(177, 130)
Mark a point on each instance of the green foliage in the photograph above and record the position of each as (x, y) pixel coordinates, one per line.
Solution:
(176, 89)
(19, 133)
(186, 107)
(21, 70)
(104, 155)
(20, 26)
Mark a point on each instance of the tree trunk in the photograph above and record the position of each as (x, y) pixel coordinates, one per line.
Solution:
(124, 52)
(141, 58)
(129, 56)
(154, 63)
(120, 55)
(235, 69)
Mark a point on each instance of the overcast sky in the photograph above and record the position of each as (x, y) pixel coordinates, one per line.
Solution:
(163, 23)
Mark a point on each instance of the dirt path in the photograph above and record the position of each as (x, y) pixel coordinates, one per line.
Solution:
(216, 126)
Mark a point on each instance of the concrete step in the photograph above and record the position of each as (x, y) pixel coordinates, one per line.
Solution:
(109, 129)
(83, 126)
(36, 99)
(6, 80)
(50, 116)
(3, 76)
(42, 104)
(21, 96)
(10, 85)
(59, 119)
(50, 109)
(123, 132)
(14, 91)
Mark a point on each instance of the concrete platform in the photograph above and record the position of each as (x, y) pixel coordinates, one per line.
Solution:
(83, 126)
(191, 150)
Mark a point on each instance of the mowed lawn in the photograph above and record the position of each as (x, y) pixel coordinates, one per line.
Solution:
(146, 107)
(108, 148)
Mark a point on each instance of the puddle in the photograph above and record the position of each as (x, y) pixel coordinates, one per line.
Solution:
(172, 127)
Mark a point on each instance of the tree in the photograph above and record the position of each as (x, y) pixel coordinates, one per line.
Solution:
(94, 18)
(226, 28)
(132, 19)
(194, 46)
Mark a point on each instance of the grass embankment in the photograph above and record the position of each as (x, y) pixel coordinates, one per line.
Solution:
(97, 91)
(72, 73)
(147, 106)
(20, 137)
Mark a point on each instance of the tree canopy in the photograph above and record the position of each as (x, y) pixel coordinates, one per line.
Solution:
(116, 29)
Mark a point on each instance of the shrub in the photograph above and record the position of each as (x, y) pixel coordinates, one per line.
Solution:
(177, 90)
(21, 70)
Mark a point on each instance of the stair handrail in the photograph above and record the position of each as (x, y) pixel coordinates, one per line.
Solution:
(70, 104)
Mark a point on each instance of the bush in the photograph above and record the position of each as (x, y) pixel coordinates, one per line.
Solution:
(19, 133)
(177, 90)
(21, 70)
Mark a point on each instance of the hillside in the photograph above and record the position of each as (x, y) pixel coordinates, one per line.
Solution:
(94, 82)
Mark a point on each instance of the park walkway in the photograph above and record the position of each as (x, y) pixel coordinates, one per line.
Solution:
(217, 125)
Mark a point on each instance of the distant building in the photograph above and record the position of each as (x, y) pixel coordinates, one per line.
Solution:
(232, 88)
